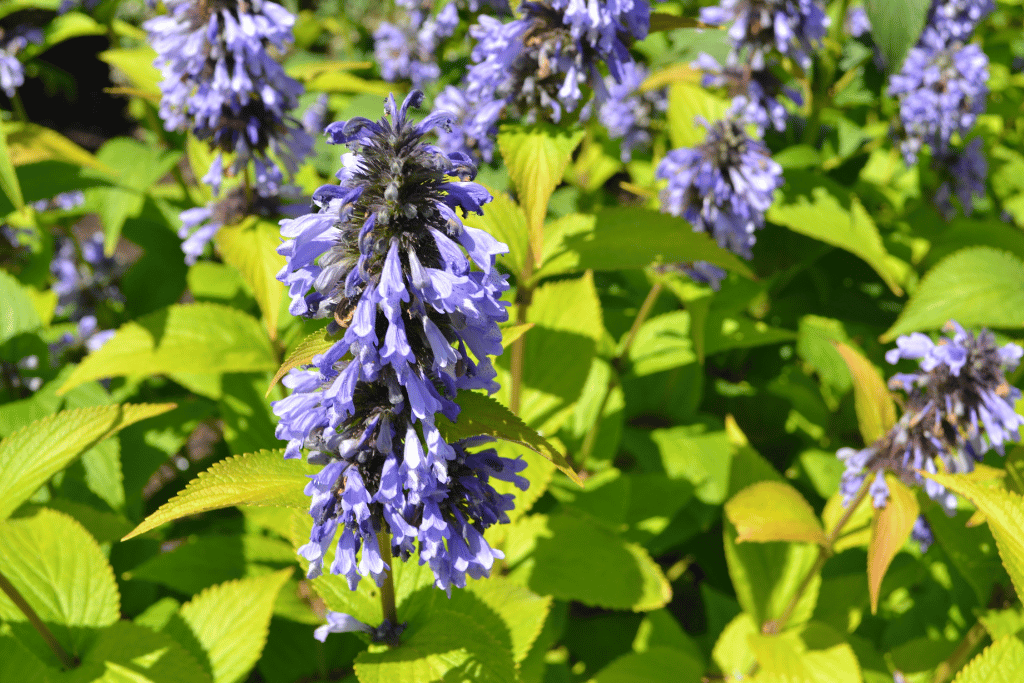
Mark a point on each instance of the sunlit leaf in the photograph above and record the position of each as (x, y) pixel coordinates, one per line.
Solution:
(773, 511)
(889, 531)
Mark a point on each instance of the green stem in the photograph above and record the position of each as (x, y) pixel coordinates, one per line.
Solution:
(19, 108)
(972, 639)
(387, 591)
(7, 587)
(524, 295)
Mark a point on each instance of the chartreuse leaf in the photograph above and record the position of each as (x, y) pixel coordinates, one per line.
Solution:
(364, 602)
(17, 315)
(815, 654)
(1004, 512)
(481, 415)
(19, 664)
(732, 652)
(264, 478)
(252, 248)
(1000, 662)
(30, 143)
(229, 623)
(129, 653)
(510, 333)
(813, 205)
(687, 101)
(312, 345)
(8, 178)
(773, 511)
(895, 26)
(653, 666)
(523, 611)
(195, 338)
(876, 412)
(548, 552)
(61, 572)
(624, 238)
(137, 64)
(975, 286)
(536, 156)
(889, 531)
(33, 454)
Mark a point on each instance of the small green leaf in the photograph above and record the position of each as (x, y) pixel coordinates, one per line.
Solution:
(1004, 512)
(482, 415)
(687, 101)
(61, 572)
(9, 183)
(263, 479)
(137, 64)
(312, 345)
(876, 412)
(194, 338)
(17, 315)
(652, 666)
(975, 286)
(128, 653)
(30, 456)
(1001, 662)
(252, 248)
(889, 531)
(895, 26)
(229, 622)
(510, 333)
(813, 205)
(30, 143)
(773, 511)
(537, 156)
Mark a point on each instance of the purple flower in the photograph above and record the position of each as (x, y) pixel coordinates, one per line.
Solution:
(83, 276)
(409, 49)
(628, 113)
(940, 93)
(755, 94)
(65, 201)
(221, 82)
(199, 225)
(12, 73)
(414, 296)
(722, 187)
(793, 28)
(965, 172)
(952, 21)
(857, 22)
(922, 533)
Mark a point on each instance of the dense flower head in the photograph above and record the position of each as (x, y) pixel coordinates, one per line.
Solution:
(408, 49)
(951, 21)
(536, 67)
(857, 22)
(724, 186)
(83, 276)
(759, 28)
(756, 94)
(628, 113)
(12, 72)
(221, 82)
(958, 406)
(941, 91)
(385, 256)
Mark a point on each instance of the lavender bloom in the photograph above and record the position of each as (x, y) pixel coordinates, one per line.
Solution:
(940, 93)
(315, 118)
(755, 94)
(857, 22)
(199, 225)
(958, 406)
(722, 187)
(409, 49)
(628, 113)
(922, 533)
(12, 73)
(965, 173)
(82, 279)
(220, 82)
(65, 201)
(952, 21)
(535, 67)
(793, 28)
(386, 258)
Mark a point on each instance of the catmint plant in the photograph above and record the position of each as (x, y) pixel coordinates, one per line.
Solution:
(386, 259)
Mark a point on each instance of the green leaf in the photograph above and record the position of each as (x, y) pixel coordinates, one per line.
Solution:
(30, 456)
(313, 345)
(1001, 662)
(249, 421)
(229, 622)
(773, 511)
(624, 238)
(1004, 512)
(822, 209)
(19, 663)
(687, 101)
(551, 555)
(128, 653)
(137, 64)
(482, 415)
(523, 611)
(364, 602)
(510, 333)
(652, 666)
(732, 652)
(61, 572)
(263, 479)
(895, 26)
(30, 143)
(876, 412)
(18, 315)
(975, 286)
(252, 249)
(195, 338)
(537, 156)
(8, 178)
(890, 529)
(816, 654)
(504, 220)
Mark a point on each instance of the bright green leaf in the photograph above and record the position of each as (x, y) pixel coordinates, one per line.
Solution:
(662, 343)
(510, 333)
(30, 143)
(896, 26)
(523, 611)
(17, 315)
(975, 286)
(773, 511)
(653, 666)
(889, 531)
(816, 654)
(1001, 662)
(30, 456)
(137, 64)
(312, 345)
(19, 664)
(8, 178)
(687, 101)
(876, 412)
(252, 248)
(128, 653)
(264, 479)
(194, 338)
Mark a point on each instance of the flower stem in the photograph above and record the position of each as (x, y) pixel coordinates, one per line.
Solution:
(774, 626)
(524, 295)
(387, 591)
(7, 587)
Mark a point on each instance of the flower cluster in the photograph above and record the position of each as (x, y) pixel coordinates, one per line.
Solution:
(200, 224)
(965, 172)
(221, 82)
(386, 258)
(537, 66)
(952, 21)
(628, 113)
(755, 94)
(857, 22)
(958, 406)
(83, 276)
(759, 28)
(12, 73)
(409, 49)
